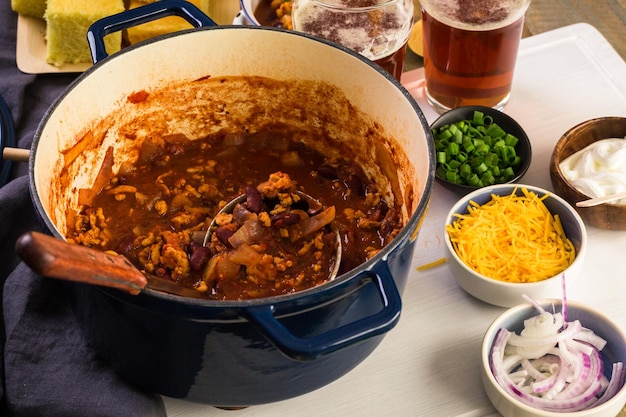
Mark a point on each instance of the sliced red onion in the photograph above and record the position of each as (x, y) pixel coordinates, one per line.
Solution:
(553, 364)
(618, 379)
(551, 340)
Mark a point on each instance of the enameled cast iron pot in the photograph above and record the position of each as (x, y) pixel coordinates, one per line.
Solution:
(237, 353)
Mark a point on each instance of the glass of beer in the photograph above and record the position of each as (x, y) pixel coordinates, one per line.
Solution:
(376, 29)
(470, 49)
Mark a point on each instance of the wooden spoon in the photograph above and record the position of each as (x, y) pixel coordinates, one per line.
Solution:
(56, 258)
(15, 154)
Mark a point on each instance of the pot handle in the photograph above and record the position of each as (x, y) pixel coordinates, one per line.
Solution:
(143, 14)
(303, 349)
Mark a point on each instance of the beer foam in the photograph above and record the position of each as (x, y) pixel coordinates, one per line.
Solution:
(476, 14)
(374, 34)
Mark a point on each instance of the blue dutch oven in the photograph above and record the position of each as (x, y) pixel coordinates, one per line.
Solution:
(233, 353)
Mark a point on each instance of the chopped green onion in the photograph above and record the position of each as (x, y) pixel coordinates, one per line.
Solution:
(481, 168)
(475, 152)
(495, 131)
(452, 177)
(454, 164)
(453, 149)
(445, 135)
(473, 180)
(510, 140)
(465, 170)
(491, 159)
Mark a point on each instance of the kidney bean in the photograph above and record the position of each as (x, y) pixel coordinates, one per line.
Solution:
(285, 219)
(125, 245)
(223, 234)
(199, 257)
(254, 199)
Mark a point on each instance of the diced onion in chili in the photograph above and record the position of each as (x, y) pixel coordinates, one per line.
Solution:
(312, 224)
(250, 232)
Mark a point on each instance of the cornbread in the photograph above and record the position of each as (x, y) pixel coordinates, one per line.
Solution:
(160, 26)
(67, 25)
(35, 8)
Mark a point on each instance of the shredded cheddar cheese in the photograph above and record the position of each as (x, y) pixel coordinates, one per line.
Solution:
(432, 264)
(512, 238)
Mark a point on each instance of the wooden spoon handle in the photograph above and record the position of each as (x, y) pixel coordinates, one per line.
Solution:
(59, 259)
(15, 154)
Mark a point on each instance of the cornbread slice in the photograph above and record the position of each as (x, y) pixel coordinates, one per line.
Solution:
(35, 8)
(160, 26)
(67, 25)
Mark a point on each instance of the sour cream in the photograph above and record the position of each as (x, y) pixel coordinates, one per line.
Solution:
(598, 169)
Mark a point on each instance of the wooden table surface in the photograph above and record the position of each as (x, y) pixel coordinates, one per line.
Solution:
(608, 16)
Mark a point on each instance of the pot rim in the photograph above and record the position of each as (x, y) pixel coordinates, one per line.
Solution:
(408, 232)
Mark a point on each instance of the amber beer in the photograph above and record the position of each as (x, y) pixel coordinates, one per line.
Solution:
(377, 29)
(394, 63)
(470, 49)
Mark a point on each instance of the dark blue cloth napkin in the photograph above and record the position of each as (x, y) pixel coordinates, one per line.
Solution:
(47, 369)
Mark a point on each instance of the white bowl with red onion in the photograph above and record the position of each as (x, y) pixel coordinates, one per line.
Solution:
(540, 359)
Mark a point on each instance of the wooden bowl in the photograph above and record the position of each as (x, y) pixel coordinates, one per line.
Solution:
(605, 216)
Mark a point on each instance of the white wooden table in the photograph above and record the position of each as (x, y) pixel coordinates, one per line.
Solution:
(429, 364)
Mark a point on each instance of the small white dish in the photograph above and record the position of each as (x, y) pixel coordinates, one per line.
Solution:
(512, 320)
(507, 294)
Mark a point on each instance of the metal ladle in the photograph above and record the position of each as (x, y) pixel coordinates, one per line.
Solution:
(313, 206)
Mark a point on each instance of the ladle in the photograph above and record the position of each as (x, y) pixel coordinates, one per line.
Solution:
(56, 258)
(313, 206)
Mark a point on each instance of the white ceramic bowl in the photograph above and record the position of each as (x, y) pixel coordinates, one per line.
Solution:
(507, 294)
(512, 319)
(247, 17)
